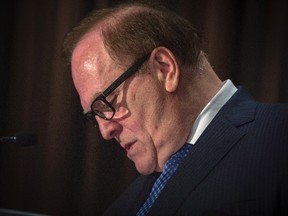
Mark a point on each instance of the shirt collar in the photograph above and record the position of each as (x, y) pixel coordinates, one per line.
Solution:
(210, 110)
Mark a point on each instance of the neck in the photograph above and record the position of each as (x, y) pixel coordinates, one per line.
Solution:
(199, 89)
(176, 127)
(182, 109)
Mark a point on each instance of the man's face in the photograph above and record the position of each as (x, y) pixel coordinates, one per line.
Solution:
(140, 98)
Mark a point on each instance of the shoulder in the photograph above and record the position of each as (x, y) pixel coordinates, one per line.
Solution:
(275, 109)
(242, 108)
(272, 115)
(262, 122)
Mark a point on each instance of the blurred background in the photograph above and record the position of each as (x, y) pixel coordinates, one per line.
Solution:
(72, 170)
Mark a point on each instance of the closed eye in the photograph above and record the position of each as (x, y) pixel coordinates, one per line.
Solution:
(113, 100)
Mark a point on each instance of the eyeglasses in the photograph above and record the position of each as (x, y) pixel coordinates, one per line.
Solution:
(100, 106)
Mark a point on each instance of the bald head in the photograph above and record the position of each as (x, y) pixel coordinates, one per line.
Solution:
(133, 30)
(176, 79)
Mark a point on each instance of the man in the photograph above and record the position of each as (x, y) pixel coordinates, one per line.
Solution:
(144, 79)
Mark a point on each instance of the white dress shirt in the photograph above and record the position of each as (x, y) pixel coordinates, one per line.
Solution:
(210, 110)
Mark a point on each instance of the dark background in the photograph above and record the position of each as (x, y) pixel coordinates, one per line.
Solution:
(72, 171)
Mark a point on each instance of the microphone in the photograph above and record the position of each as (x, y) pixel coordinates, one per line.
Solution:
(21, 139)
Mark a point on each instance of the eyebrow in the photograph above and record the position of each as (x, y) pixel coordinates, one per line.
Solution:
(95, 95)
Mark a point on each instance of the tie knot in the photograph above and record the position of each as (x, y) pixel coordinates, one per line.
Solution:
(169, 168)
(176, 158)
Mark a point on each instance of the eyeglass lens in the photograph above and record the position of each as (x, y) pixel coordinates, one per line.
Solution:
(103, 109)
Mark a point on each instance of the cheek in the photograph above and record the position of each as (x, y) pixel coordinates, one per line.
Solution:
(149, 111)
(146, 102)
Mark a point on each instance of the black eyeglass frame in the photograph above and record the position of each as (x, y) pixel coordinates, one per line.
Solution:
(130, 71)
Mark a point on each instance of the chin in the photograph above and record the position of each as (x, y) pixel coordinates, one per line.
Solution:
(144, 170)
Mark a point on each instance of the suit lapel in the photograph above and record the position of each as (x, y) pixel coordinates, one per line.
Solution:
(214, 144)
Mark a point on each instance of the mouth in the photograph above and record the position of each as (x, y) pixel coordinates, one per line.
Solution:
(128, 147)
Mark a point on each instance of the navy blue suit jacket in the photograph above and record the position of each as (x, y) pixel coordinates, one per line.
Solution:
(238, 166)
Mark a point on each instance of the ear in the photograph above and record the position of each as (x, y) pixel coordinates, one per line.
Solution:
(166, 68)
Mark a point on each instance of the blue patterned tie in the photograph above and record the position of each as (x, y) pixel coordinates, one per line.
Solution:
(170, 167)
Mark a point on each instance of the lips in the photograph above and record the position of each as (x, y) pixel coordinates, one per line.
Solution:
(128, 147)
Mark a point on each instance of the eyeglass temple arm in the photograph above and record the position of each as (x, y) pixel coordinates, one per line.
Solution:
(125, 75)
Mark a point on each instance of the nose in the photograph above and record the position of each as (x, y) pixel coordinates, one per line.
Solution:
(108, 128)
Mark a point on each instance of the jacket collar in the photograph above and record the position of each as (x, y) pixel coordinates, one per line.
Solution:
(222, 134)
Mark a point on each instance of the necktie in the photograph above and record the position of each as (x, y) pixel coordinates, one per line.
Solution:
(170, 167)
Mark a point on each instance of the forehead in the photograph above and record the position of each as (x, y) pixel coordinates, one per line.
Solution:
(88, 54)
(92, 67)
